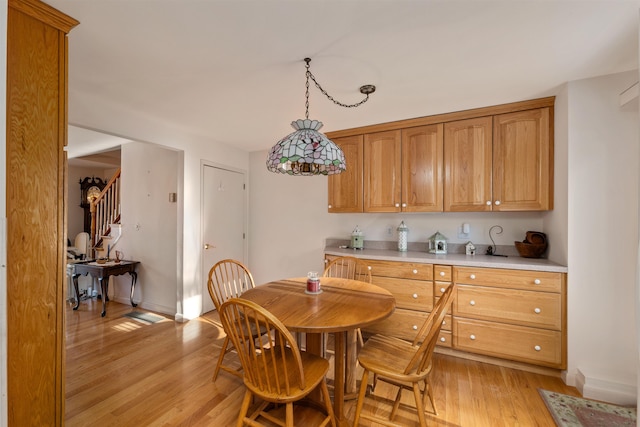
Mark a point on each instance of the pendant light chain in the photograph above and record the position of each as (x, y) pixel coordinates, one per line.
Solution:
(306, 104)
(366, 90)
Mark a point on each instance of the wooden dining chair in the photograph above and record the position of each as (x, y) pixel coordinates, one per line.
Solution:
(404, 364)
(228, 279)
(275, 370)
(348, 267)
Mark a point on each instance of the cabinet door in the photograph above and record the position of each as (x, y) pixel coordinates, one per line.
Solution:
(522, 161)
(422, 168)
(382, 171)
(345, 189)
(467, 163)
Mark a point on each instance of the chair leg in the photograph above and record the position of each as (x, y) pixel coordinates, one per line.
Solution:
(327, 401)
(428, 392)
(289, 416)
(396, 404)
(419, 406)
(360, 339)
(363, 391)
(223, 352)
(244, 408)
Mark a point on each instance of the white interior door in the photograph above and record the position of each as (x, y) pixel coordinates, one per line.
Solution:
(224, 221)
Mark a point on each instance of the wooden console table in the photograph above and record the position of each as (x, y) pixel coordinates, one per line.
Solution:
(102, 272)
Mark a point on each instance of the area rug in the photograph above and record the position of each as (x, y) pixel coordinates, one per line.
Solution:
(570, 411)
(145, 317)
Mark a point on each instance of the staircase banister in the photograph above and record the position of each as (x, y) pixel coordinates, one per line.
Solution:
(107, 187)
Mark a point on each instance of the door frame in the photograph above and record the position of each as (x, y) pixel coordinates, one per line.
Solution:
(245, 245)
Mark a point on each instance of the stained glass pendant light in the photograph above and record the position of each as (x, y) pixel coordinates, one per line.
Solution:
(307, 151)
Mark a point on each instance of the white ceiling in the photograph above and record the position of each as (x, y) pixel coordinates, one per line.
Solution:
(232, 71)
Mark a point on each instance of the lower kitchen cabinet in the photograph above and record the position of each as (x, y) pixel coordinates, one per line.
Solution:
(518, 315)
(515, 315)
(412, 286)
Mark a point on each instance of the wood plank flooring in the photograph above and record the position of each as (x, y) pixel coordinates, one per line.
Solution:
(123, 372)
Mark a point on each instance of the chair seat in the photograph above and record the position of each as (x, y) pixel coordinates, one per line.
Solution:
(315, 369)
(388, 356)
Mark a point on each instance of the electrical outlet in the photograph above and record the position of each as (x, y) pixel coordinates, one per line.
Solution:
(389, 232)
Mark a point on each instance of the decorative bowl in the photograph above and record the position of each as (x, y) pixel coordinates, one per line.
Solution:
(536, 237)
(531, 250)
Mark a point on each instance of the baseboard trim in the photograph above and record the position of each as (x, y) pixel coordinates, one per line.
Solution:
(151, 307)
(594, 386)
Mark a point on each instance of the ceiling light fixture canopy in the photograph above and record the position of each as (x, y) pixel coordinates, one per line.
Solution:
(307, 151)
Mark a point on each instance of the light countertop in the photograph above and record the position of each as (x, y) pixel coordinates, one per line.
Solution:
(510, 262)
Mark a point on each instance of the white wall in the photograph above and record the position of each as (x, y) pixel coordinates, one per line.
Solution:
(150, 226)
(195, 149)
(556, 221)
(602, 205)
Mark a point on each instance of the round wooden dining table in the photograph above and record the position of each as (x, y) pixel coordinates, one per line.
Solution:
(342, 306)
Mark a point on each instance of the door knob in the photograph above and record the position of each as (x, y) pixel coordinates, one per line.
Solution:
(208, 246)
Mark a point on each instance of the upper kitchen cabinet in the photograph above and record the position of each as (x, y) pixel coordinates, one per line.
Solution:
(467, 160)
(345, 189)
(499, 163)
(523, 161)
(395, 171)
(382, 163)
(422, 168)
(497, 158)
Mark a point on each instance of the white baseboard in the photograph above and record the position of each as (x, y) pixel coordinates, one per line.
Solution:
(143, 305)
(612, 390)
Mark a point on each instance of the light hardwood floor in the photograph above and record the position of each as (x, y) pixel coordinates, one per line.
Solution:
(122, 372)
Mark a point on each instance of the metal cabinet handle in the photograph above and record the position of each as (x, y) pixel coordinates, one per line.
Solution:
(473, 276)
(472, 302)
(537, 348)
(537, 281)
(330, 206)
(397, 205)
(472, 337)
(443, 339)
(415, 327)
(442, 274)
(488, 202)
(415, 295)
(497, 202)
(415, 271)
(208, 246)
(404, 205)
(442, 290)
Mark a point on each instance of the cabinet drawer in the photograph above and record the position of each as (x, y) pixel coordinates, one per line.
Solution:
(517, 279)
(442, 272)
(445, 339)
(410, 294)
(530, 345)
(540, 309)
(402, 324)
(404, 270)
